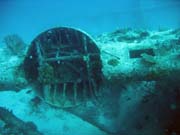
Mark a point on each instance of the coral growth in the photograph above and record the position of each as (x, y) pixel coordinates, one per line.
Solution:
(14, 44)
(46, 74)
(125, 35)
(113, 62)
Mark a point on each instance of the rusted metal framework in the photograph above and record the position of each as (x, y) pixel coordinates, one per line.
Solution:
(65, 66)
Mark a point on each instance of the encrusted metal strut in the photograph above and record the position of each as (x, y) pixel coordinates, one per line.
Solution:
(65, 66)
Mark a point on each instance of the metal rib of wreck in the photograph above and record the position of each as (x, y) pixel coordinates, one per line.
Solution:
(65, 66)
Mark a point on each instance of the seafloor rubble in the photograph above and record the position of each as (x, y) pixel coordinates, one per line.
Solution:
(10, 124)
(140, 96)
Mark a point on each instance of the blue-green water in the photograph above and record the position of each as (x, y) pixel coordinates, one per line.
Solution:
(27, 18)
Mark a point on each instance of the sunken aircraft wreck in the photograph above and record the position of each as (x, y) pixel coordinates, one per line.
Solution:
(65, 65)
(67, 68)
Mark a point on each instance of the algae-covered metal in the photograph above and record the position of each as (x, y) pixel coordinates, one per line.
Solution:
(65, 66)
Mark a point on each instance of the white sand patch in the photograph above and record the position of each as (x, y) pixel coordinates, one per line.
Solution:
(50, 121)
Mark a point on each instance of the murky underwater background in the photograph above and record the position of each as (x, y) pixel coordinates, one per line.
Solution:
(90, 67)
(94, 17)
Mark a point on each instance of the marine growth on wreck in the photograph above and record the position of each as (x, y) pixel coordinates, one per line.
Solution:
(107, 67)
(94, 79)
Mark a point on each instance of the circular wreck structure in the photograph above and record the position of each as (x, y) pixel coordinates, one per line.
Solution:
(64, 65)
